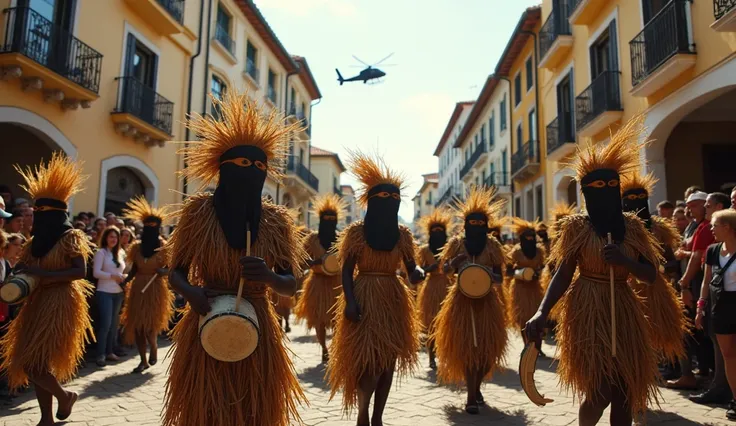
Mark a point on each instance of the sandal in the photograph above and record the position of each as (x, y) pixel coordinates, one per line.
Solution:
(472, 409)
(141, 368)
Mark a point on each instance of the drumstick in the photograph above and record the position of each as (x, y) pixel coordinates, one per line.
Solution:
(149, 283)
(472, 324)
(613, 307)
(247, 253)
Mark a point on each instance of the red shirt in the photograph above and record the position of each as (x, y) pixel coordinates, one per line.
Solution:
(703, 238)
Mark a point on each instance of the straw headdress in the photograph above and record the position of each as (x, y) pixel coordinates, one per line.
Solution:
(242, 122)
(480, 200)
(59, 179)
(371, 170)
(638, 181)
(440, 216)
(560, 210)
(139, 208)
(520, 226)
(329, 203)
(620, 154)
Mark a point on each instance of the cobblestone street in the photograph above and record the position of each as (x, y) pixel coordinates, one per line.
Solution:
(115, 396)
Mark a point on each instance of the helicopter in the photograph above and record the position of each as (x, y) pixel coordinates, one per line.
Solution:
(368, 74)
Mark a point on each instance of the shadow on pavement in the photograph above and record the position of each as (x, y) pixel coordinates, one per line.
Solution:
(315, 376)
(658, 416)
(456, 415)
(113, 386)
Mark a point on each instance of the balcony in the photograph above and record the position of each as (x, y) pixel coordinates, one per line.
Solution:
(141, 113)
(225, 44)
(725, 14)
(299, 177)
(662, 50)
(525, 162)
(480, 150)
(446, 196)
(501, 181)
(599, 105)
(555, 37)
(252, 73)
(165, 16)
(48, 58)
(584, 12)
(337, 191)
(560, 142)
(306, 127)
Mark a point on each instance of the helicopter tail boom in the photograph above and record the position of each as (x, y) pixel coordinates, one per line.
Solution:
(339, 77)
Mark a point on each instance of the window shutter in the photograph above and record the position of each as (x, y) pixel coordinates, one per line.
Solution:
(571, 94)
(129, 54)
(613, 44)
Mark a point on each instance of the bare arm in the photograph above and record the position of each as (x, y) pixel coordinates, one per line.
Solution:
(348, 269)
(283, 282)
(642, 270)
(178, 278)
(558, 286)
(693, 267)
(131, 274)
(705, 288)
(76, 272)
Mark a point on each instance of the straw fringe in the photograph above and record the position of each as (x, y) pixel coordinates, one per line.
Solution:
(149, 312)
(638, 181)
(138, 208)
(329, 203)
(432, 293)
(388, 331)
(454, 332)
(59, 179)
(525, 296)
(480, 200)
(665, 232)
(319, 291)
(439, 217)
(53, 325)
(372, 170)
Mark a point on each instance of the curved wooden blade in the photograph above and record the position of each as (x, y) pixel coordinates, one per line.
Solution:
(527, 366)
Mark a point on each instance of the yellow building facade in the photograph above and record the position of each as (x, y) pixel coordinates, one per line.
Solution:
(603, 61)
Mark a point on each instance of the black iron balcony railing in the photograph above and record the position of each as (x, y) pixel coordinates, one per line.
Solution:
(558, 135)
(300, 116)
(497, 179)
(722, 7)
(143, 102)
(175, 9)
(479, 150)
(604, 94)
(222, 35)
(337, 191)
(529, 154)
(663, 37)
(35, 37)
(446, 196)
(556, 25)
(251, 69)
(574, 5)
(299, 169)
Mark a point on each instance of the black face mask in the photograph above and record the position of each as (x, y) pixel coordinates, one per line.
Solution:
(238, 194)
(476, 233)
(637, 201)
(381, 222)
(543, 236)
(528, 243)
(437, 239)
(150, 236)
(327, 229)
(50, 222)
(495, 232)
(602, 192)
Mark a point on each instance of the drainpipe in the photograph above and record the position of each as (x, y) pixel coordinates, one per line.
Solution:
(207, 57)
(185, 184)
(511, 132)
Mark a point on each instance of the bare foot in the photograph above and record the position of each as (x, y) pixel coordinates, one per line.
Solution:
(65, 407)
(46, 422)
(377, 422)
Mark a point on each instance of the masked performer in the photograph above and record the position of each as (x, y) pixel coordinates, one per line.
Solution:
(664, 308)
(45, 343)
(557, 213)
(437, 226)
(543, 235)
(146, 314)
(208, 257)
(525, 293)
(587, 365)
(321, 290)
(462, 322)
(376, 330)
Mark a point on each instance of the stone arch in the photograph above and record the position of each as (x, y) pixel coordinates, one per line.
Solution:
(146, 175)
(40, 126)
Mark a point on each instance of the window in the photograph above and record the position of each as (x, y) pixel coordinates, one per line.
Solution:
(484, 177)
(652, 7)
(529, 74)
(218, 89)
(502, 110)
(519, 137)
(271, 86)
(493, 174)
(141, 63)
(222, 30)
(532, 125)
(517, 90)
(223, 19)
(517, 207)
(492, 131)
(292, 105)
(251, 61)
(503, 164)
(539, 202)
(604, 52)
(429, 199)
(565, 110)
(476, 140)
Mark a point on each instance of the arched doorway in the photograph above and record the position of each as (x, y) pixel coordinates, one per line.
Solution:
(122, 185)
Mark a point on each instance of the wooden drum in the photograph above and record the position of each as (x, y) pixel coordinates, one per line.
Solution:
(524, 274)
(18, 288)
(474, 281)
(227, 335)
(330, 265)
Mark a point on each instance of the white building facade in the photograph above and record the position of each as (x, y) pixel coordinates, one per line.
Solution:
(449, 158)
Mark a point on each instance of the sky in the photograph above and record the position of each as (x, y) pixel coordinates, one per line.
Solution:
(442, 54)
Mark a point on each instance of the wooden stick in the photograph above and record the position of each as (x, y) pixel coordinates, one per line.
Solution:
(613, 306)
(472, 322)
(149, 283)
(242, 280)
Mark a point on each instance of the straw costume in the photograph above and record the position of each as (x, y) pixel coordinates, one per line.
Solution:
(456, 349)
(45, 343)
(376, 331)
(207, 257)
(437, 226)
(146, 314)
(525, 296)
(320, 290)
(587, 366)
(559, 211)
(664, 309)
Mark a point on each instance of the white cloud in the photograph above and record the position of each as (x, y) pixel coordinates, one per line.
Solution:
(339, 8)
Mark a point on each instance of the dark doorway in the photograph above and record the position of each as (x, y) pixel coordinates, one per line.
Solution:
(719, 174)
(572, 192)
(122, 185)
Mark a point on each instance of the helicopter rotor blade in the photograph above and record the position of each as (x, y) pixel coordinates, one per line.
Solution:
(358, 59)
(377, 63)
